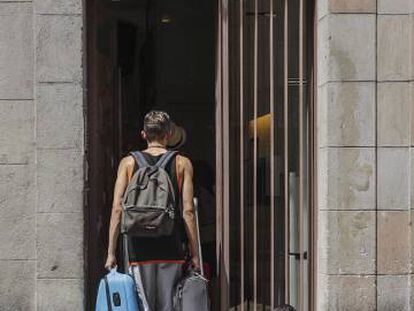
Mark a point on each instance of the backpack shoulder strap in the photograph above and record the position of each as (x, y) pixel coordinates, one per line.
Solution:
(165, 158)
(139, 159)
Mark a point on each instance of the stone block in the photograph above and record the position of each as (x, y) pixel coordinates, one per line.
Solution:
(353, 58)
(351, 114)
(393, 292)
(393, 242)
(17, 212)
(17, 285)
(58, 7)
(60, 295)
(411, 103)
(323, 177)
(412, 243)
(393, 179)
(322, 124)
(60, 115)
(412, 292)
(394, 114)
(322, 8)
(412, 42)
(347, 293)
(349, 176)
(394, 6)
(58, 48)
(347, 242)
(16, 50)
(412, 178)
(323, 43)
(60, 180)
(17, 131)
(352, 6)
(393, 48)
(59, 245)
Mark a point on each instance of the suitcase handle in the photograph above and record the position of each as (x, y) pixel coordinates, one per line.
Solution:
(200, 255)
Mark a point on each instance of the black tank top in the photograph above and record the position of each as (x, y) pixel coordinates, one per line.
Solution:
(167, 249)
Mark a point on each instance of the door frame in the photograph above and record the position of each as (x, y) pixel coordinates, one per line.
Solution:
(222, 155)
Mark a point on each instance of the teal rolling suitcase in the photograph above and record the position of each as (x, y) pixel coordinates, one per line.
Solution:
(117, 292)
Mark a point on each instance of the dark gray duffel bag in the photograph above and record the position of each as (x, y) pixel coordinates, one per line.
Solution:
(191, 292)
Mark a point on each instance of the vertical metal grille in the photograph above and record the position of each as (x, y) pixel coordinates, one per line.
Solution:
(241, 133)
(272, 160)
(301, 156)
(266, 88)
(255, 154)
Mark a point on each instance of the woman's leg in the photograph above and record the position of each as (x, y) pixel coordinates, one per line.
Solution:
(145, 280)
(168, 275)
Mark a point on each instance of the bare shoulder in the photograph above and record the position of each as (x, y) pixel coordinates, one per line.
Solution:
(184, 163)
(127, 161)
(127, 164)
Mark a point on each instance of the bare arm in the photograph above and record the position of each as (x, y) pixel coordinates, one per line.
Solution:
(188, 210)
(120, 185)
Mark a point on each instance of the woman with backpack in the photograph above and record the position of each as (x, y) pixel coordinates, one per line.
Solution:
(153, 208)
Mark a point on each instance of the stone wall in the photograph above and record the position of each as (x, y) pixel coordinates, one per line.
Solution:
(41, 155)
(365, 154)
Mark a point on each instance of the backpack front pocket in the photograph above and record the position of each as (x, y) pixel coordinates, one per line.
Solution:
(147, 222)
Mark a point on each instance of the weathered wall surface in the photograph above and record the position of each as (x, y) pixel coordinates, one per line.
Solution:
(366, 155)
(41, 155)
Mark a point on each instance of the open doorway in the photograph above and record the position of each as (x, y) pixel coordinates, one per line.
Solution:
(238, 77)
(145, 55)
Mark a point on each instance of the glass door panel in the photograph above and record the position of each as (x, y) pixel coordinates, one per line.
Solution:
(269, 120)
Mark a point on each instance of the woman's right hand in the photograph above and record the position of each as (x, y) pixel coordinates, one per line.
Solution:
(110, 262)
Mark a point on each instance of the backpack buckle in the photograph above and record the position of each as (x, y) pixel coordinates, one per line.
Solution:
(171, 213)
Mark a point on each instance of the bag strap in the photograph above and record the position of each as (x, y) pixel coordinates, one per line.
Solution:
(108, 294)
(139, 159)
(165, 158)
(126, 253)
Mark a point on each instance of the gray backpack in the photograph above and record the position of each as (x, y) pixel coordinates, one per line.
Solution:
(149, 202)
